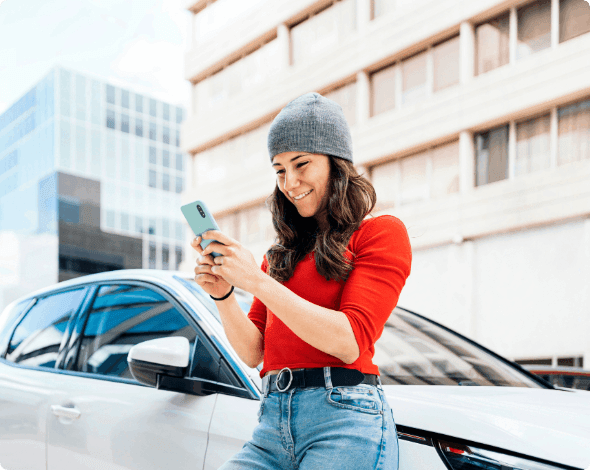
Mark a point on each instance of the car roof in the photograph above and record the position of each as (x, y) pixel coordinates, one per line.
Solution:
(149, 275)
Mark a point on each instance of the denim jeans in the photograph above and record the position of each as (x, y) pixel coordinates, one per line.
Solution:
(322, 428)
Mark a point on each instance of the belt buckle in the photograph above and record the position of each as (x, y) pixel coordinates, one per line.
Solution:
(279, 378)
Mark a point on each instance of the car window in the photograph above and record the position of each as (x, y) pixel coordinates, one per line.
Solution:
(414, 351)
(37, 338)
(120, 317)
(8, 316)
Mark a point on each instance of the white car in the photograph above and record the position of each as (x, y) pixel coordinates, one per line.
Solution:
(131, 369)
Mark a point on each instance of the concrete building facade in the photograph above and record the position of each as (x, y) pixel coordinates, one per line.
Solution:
(90, 174)
(471, 119)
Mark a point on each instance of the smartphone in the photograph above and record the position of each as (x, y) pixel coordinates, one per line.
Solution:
(200, 220)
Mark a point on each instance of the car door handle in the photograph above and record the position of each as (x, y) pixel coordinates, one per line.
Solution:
(62, 411)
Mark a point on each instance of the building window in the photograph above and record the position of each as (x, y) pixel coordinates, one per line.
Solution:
(179, 161)
(138, 127)
(177, 138)
(165, 257)
(152, 157)
(166, 111)
(345, 96)
(153, 107)
(383, 90)
(138, 224)
(431, 174)
(166, 158)
(152, 227)
(165, 182)
(178, 184)
(573, 132)
(179, 115)
(152, 131)
(139, 103)
(125, 123)
(125, 99)
(492, 47)
(110, 94)
(165, 228)
(491, 156)
(165, 135)
(111, 219)
(446, 63)
(414, 79)
(574, 18)
(532, 146)
(323, 31)
(69, 211)
(110, 119)
(124, 221)
(178, 251)
(179, 231)
(534, 28)
(152, 179)
(152, 255)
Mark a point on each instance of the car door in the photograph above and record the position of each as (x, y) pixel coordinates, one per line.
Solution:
(28, 378)
(102, 418)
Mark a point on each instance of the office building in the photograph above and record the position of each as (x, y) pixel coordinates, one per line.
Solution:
(90, 181)
(471, 119)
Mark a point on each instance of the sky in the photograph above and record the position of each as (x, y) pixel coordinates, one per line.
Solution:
(139, 45)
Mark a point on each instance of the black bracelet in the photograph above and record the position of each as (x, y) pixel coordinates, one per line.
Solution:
(225, 296)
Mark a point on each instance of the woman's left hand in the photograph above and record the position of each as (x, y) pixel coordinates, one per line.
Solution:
(237, 265)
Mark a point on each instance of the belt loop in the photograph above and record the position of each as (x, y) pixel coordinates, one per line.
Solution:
(328, 378)
(266, 386)
(380, 384)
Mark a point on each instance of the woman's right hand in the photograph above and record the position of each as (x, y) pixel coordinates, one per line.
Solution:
(212, 284)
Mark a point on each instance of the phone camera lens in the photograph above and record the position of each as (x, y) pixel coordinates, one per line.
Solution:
(201, 211)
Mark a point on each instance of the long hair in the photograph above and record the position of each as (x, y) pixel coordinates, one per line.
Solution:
(351, 197)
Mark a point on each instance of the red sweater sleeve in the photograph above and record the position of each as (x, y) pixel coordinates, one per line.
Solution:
(381, 267)
(257, 313)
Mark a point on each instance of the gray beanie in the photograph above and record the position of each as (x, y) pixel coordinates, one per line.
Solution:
(311, 123)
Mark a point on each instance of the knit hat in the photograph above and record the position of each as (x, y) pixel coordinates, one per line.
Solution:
(311, 123)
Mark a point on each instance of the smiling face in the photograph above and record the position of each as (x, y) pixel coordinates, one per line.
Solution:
(299, 173)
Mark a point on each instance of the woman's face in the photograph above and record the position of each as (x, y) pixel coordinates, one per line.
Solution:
(299, 173)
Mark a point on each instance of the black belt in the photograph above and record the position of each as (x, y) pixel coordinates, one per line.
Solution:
(288, 379)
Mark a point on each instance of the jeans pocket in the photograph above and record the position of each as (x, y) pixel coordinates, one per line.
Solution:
(365, 399)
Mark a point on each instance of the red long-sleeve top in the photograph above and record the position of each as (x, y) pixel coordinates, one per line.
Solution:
(382, 260)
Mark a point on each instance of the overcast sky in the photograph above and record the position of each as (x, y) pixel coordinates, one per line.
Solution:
(135, 44)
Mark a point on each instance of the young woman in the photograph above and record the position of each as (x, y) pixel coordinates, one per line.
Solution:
(321, 298)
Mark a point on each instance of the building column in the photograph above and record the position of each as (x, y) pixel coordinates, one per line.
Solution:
(512, 38)
(284, 39)
(466, 52)
(363, 14)
(554, 23)
(466, 162)
(363, 97)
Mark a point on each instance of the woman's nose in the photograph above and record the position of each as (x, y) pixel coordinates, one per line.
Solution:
(291, 181)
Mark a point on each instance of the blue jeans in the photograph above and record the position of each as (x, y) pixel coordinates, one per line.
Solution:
(326, 428)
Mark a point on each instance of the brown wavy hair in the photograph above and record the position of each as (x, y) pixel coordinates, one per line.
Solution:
(351, 198)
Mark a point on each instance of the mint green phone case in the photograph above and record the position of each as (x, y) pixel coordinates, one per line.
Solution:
(200, 220)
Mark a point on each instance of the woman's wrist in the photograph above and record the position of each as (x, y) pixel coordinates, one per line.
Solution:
(224, 297)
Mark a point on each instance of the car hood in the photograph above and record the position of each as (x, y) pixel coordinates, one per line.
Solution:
(548, 424)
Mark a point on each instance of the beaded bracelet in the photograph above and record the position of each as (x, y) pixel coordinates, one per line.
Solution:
(225, 296)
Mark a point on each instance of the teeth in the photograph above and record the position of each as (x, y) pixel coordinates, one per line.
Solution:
(302, 195)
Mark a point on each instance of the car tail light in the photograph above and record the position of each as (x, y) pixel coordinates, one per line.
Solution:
(467, 457)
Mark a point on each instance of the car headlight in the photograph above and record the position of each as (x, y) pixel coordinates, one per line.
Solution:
(468, 457)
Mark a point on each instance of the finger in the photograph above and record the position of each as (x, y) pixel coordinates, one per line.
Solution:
(209, 259)
(196, 244)
(219, 236)
(215, 247)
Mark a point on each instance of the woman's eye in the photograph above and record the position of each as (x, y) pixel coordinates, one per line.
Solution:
(298, 166)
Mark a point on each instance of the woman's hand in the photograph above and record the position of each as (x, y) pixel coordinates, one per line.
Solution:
(236, 267)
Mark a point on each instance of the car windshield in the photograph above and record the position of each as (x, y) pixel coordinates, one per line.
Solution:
(416, 351)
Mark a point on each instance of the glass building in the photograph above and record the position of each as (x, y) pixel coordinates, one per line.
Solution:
(89, 173)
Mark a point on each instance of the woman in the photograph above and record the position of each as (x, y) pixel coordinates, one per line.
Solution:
(321, 299)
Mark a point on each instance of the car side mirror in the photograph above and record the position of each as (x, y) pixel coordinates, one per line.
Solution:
(162, 356)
